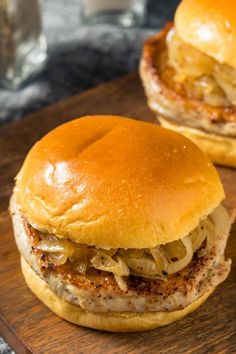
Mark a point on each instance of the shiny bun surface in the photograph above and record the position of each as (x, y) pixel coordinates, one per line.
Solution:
(115, 182)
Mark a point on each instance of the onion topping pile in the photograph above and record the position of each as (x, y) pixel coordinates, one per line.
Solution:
(156, 263)
(197, 75)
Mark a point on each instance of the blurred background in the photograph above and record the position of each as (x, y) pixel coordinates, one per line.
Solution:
(80, 55)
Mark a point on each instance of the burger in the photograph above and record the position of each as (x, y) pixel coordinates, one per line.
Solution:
(189, 75)
(119, 224)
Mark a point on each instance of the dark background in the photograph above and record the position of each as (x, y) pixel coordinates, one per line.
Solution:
(81, 56)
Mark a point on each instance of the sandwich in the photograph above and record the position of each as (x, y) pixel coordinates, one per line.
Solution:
(119, 224)
(189, 75)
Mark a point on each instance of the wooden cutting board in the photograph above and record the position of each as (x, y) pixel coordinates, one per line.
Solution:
(27, 324)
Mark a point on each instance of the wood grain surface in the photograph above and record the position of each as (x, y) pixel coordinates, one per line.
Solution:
(27, 324)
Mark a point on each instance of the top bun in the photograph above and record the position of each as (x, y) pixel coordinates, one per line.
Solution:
(210, 26)
(115, 182)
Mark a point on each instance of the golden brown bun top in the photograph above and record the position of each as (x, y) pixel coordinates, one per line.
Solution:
(210, 26)
(115, 182)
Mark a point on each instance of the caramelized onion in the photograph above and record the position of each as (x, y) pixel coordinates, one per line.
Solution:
(80, 267)
(187, 60)
(154, 263)
(143, 266)
(200, 76)
(174, 250)
(210, 234)
(104, 262)
(58, 258)
(159, 257)
(176, 266)
(64, 246)
(121, 282)
(80, 254)
(197, 236)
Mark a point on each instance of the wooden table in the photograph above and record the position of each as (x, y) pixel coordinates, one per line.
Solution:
(27, 324)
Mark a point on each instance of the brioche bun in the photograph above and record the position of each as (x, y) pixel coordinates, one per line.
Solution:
(220, 149)
(112, 322)
(114, 182)
(209, 26)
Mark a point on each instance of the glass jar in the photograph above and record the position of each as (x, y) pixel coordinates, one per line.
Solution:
(126, 13)
(22, 44)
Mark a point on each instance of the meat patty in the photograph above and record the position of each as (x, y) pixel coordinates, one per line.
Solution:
(175, 107)
(97, 291)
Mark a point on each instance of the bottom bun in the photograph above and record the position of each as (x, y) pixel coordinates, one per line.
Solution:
(220, 149)
(112, 322)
